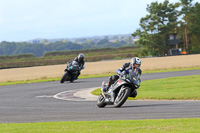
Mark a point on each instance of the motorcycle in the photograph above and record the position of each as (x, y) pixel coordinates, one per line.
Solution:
(119, 92)
(71, 72)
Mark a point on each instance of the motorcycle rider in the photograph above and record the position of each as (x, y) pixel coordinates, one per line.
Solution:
(134, 64)
(81, 62)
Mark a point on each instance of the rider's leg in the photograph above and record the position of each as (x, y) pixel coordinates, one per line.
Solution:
(112, 79)
(77, 75)
(134, 94)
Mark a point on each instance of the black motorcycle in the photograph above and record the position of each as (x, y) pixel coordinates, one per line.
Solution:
(71, 72)
(118, 92)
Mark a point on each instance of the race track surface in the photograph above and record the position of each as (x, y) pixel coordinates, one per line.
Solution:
(35, 103)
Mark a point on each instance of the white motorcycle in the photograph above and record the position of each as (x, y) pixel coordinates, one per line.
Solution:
(118, 92)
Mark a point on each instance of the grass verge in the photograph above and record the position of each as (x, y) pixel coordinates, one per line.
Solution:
(172, 70)
(118, 126)
(176, 88)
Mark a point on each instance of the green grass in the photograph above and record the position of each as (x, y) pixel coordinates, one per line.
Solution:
(177, 88)
(118, 126)
(172, 70)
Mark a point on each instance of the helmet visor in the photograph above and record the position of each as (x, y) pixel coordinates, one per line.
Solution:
(137, 65)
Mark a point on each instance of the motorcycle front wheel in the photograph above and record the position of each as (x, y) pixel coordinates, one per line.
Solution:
(64, 77)
(100, 101)
(120, 100)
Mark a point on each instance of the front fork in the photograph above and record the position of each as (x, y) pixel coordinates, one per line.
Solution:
(110, 93)
(121, 90)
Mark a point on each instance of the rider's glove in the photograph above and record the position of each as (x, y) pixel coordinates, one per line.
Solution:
(119, 72)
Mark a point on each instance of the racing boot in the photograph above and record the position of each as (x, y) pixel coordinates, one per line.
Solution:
(105, 89)
(76, 77)
(104, 86)
(133, 94)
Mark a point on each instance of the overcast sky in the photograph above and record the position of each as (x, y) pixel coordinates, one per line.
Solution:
(22, 20)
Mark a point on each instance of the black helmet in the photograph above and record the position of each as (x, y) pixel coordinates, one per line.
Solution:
(135, 62)
(81, 57)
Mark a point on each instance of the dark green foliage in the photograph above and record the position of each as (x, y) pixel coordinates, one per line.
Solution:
(103, 41)
(22, 56)
(38, 50)
(76, 52)
(164, 19)
(160, 21)
(194, 29)
(60, 46)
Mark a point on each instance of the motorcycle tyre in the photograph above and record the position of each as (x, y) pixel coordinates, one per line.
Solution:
(101, 103)
(123, 99)
(72, 80)
(63, 79)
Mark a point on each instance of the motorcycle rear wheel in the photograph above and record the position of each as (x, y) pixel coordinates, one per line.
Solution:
(120, 100)
(100, 101)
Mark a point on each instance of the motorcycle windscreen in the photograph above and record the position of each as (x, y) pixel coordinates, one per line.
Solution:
(75, 66)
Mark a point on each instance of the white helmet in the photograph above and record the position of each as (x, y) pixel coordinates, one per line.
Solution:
(135, 62)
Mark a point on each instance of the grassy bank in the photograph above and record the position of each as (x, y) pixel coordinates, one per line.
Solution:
(177, 88)
(62, 57)
(118, 126)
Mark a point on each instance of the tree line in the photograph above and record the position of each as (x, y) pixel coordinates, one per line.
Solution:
(39, 49)
(166, 18)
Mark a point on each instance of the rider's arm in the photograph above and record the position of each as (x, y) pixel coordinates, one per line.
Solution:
(76, 59)
(82, 65)
(122, 69)
(140, 71)
(124, 66)
(138, 77)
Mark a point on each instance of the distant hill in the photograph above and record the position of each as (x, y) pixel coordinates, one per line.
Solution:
(38, 47)
(95, 39)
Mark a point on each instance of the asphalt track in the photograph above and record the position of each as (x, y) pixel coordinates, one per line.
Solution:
(35, 103)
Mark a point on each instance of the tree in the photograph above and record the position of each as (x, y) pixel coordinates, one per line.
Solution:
(186, 11)
(44, 41)
(89, 41)
(103, 41)
(194, 29)
(161, 21)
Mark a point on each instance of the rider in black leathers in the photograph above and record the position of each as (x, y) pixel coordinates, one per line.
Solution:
(81, 62)
(135, 65)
